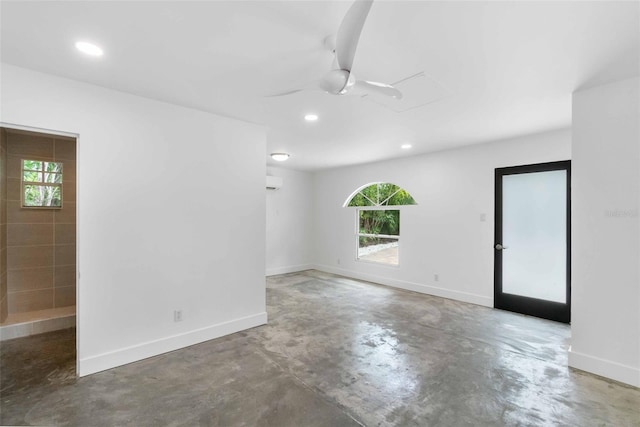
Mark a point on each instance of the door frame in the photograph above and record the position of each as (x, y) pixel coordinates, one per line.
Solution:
(48, 131)
(520, 304)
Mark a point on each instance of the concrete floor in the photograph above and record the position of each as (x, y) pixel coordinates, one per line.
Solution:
(336, 352)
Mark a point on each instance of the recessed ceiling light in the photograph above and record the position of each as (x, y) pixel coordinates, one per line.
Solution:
(405, 146)
(279, 157)
(311, 117)
(89, 48)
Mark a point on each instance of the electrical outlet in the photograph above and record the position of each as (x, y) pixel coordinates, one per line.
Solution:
(436, 277)
(177, 315)
(338, 261)
(483, 217)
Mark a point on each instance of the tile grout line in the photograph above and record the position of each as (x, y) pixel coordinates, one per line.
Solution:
(39, 266)
(53, 228)
(39, 244)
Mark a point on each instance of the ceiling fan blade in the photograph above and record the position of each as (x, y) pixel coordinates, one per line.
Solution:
(365, 87)
(285, 93)
(349, 33)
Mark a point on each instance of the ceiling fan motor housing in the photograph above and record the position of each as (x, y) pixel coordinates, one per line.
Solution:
(337, 82)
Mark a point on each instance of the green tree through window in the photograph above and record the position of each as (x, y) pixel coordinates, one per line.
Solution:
(382, 194)
(378, 232)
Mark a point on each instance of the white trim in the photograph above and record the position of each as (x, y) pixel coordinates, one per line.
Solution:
(38, 130)
(78, 246)
(605, 368)
(288, 269)
(411, 286)
(123, 356)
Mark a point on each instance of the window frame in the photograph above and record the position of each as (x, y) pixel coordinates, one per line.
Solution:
(377, 205)
(384, 236)
(24, 183)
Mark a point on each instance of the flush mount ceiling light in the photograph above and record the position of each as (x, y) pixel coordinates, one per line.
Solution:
(279, 157)
(405, 146)
(89, 48)
(311, 117)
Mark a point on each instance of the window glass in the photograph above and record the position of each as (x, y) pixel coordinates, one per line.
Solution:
(378, 224)
(41, 184)
(381, 194)
(378, 235)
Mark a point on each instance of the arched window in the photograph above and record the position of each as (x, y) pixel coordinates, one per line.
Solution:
(378, 221)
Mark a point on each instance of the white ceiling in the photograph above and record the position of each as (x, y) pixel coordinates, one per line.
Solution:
(494, 69)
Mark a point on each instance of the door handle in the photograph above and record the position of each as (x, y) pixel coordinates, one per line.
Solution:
(500, 247)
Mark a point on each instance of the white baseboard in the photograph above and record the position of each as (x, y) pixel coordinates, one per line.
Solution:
(288, 269)
(605, 368)
(101, 362)
(411, 286)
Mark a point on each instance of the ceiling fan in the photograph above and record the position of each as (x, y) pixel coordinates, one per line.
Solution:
(340, 80)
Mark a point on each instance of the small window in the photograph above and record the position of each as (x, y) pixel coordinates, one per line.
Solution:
(378, 221)
(41, 184)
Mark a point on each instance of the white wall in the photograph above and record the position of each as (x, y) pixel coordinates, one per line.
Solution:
(168, 199)
(290, 222)
(606, 231)
(442, 235)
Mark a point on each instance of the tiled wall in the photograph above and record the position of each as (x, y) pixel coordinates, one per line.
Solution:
(4, 310)
(41, 251)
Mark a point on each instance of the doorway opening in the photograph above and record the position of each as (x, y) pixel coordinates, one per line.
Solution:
(533, 240)
(37, 232)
